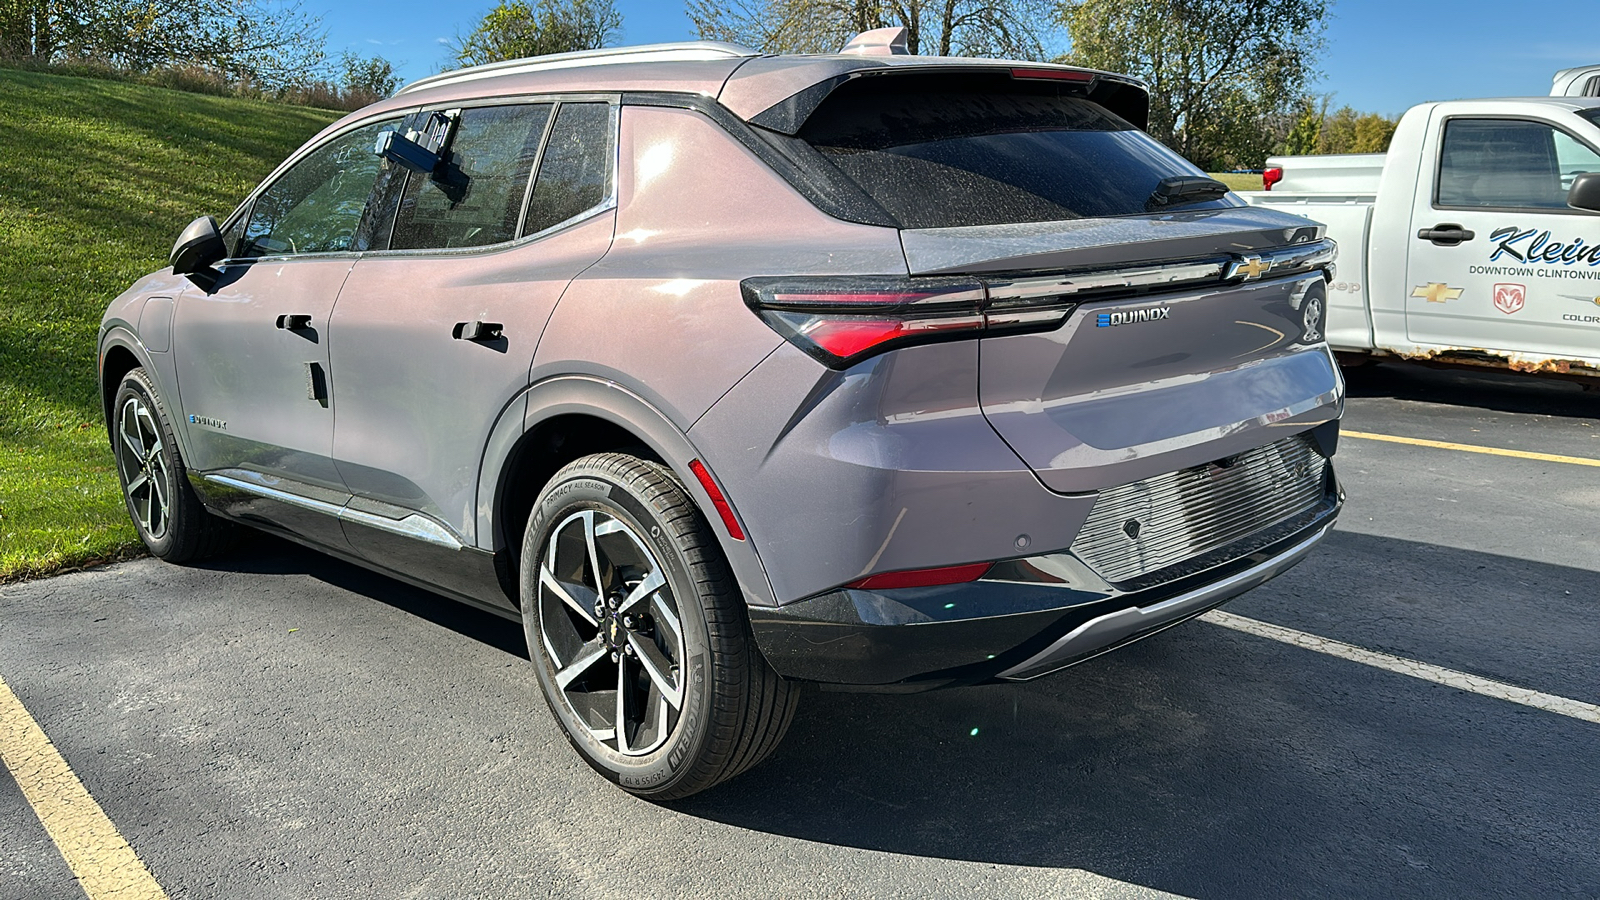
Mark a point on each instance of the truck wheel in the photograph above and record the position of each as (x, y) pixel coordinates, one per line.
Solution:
(638, 635)
(172, 522)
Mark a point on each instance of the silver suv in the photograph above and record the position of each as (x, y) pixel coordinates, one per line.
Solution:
(725, 372)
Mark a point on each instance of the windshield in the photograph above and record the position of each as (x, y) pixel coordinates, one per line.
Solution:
(939, 152)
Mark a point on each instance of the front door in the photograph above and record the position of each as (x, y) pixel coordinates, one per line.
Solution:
(252, 353)
(434, 336)
(1498, 261)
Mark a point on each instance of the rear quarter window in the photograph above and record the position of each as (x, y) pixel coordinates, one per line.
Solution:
(943, 151)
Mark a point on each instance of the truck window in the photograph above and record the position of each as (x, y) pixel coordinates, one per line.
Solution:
(1509, 164)
(941, 151)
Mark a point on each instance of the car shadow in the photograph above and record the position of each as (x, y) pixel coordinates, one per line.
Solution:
(1202, 761)
(1502, 392)
(264, 554)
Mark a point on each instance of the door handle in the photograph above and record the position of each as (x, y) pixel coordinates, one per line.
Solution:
(1447, 234)
(294, 322)
(477, 331)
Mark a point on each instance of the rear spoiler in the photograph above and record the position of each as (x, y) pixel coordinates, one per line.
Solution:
(1121, 95)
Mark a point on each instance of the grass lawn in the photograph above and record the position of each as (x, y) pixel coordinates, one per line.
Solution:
(96, 180)
(1238, 182)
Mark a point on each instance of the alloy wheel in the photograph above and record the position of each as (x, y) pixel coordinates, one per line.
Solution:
(613, 632)
(145, 477)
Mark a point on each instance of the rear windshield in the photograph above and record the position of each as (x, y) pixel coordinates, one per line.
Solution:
(941, 152)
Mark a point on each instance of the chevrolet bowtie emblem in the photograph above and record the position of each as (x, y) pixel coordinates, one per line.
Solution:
(1434, 292)
(1249, 267)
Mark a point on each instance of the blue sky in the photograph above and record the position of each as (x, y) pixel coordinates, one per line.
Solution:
(1380, 56)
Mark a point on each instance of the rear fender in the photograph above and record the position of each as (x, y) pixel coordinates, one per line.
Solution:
(608, 401)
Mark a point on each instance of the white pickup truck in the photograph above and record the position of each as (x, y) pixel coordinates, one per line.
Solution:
(1475, 239)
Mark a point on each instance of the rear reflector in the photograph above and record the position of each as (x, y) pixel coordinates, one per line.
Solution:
(1270, 177)
(717, 500)
(923, 577)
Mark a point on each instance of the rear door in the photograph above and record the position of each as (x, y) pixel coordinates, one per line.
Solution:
(252, 354)
(1498, 261)
(435, 332)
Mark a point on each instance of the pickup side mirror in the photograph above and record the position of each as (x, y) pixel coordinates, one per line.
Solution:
(197, 248)
(1585, 192)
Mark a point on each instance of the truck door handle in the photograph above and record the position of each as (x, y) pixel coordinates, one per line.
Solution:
(476, 331)
(294, 322)
(1448, 234)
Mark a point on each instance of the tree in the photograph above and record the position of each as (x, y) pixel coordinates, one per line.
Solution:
(1345, 131)
(1226, 77)
(366, 79)
(1005, 28)
(263, 41)
(517, 29)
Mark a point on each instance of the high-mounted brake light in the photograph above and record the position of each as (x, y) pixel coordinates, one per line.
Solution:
(1054, 75)
(923, 577)
(841, 321)
(717, 500)
(1270, 177)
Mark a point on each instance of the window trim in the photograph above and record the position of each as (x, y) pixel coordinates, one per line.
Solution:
(1438, 166)
(244, 208)
(608, 203)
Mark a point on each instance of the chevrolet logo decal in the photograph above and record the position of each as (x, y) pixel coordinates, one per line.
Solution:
(1248, 267)
(1434, 292)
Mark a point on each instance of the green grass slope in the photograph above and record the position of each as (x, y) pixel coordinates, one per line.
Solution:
(96, 180)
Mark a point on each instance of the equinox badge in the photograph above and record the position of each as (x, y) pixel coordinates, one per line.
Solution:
(1128, 317)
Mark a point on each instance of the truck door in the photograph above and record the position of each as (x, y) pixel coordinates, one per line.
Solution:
(1498, 261)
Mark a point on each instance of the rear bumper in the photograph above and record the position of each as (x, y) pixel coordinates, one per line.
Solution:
(1004, 628)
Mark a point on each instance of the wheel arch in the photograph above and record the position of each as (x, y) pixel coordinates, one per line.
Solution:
(568, 417)
(121, 352)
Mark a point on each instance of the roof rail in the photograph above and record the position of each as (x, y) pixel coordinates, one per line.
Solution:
(687, 50)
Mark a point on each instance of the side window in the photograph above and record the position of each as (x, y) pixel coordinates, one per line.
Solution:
(476, 198)
(1505, 164)
(316, 206)
(575, 173)
(1573, 159)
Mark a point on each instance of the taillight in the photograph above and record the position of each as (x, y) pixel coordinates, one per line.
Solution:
(924, 577)
(843, 320)
(1270, 177)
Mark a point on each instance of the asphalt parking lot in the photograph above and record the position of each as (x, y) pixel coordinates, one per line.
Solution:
(281, 725)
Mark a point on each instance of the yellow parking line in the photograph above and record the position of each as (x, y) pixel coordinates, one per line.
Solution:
(105, 866)
(1474, 448)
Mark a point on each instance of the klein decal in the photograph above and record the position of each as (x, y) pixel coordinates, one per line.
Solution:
(1128, 317)
(1434, 292)
(1510, 298)
(1530, 245)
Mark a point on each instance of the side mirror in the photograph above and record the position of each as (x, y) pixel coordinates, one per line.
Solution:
(1585, 192)
(197, 248)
